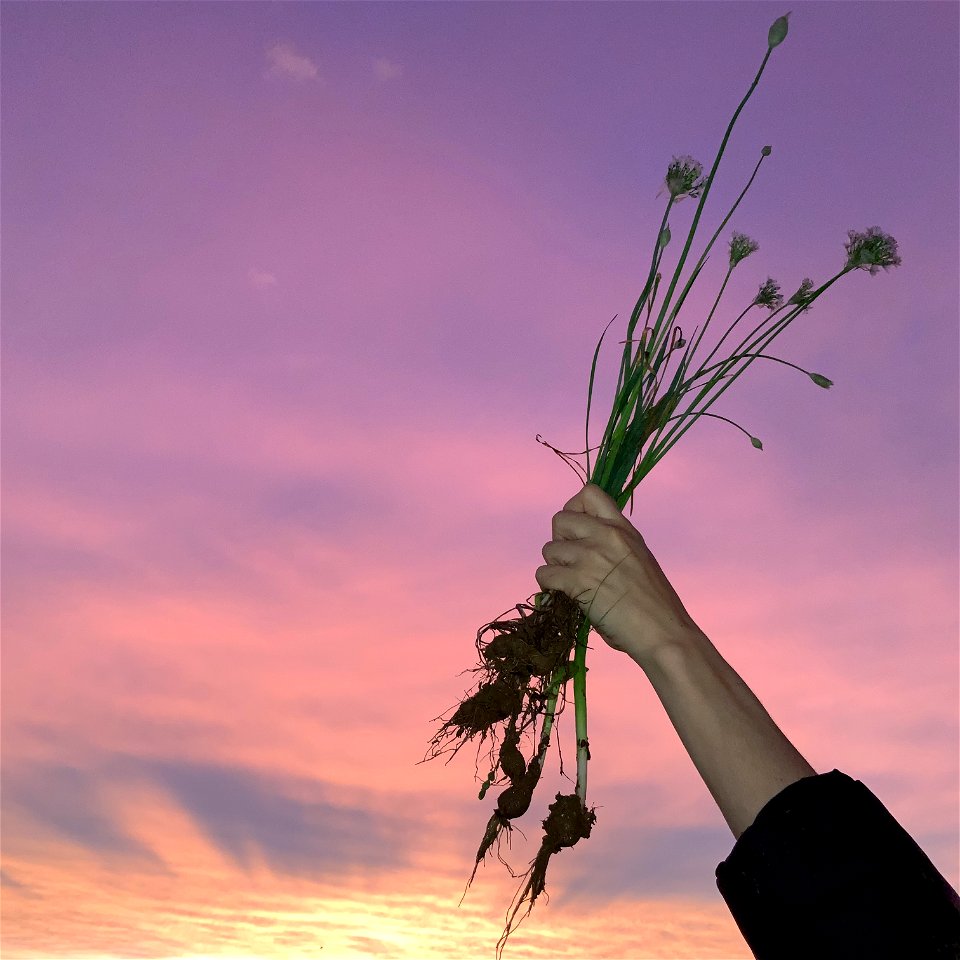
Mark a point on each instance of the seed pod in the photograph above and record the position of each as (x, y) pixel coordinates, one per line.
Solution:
(778, 31)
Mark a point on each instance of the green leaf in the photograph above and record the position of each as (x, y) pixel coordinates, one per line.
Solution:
(593, 370)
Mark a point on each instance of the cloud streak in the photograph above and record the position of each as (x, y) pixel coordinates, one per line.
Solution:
(384, 69)
(286, 63)
(262, 279)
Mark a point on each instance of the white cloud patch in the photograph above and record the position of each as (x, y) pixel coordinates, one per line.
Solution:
(285, 62)
(261, 279)
(386, 69)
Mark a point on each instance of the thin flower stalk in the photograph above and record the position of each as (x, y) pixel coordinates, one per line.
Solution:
(705, 193)
(740, 247)
(662, 444)
(736, 245)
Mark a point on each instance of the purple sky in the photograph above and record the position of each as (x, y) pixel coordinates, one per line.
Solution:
(288, 291)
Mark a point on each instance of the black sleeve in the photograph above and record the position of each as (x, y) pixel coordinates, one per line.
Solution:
(826, 872)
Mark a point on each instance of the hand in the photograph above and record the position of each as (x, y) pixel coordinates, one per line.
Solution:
(598, 558)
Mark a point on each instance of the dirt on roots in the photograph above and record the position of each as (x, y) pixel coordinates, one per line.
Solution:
(517, 665)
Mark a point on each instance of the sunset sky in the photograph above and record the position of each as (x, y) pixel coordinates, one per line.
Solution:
(289, 290)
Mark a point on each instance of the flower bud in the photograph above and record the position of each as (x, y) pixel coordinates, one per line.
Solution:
(766, 151)
(756, 443)
(778, 31)
(665, 236)
(821, 381)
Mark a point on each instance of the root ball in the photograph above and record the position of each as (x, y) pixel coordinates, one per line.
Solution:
(492, 703)
(567, 822)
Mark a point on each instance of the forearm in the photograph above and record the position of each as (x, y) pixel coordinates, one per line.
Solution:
(741, 754)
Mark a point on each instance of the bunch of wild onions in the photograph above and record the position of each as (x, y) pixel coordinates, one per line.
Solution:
(527, 662)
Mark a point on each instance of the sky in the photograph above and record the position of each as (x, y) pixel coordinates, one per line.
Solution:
(289, 290)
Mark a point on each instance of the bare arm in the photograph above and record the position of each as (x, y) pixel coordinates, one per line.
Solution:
(598, 558)
(742, 755)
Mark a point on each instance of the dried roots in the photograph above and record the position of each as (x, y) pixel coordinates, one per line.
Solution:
(567, 823)
(522, 665)
(517, 665)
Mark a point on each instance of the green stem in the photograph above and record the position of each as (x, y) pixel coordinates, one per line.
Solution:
(660, 447)
(759, 356)
(557, 681)
(713, 239)
(703, 200)
(761, 336)
(577, 671)
(710, 355)
(580, 706)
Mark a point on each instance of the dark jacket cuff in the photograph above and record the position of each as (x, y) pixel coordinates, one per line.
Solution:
(825, 871)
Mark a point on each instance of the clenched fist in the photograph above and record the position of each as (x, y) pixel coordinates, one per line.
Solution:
(598, 558)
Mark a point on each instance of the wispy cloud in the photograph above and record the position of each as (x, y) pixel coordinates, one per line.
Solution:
(261, 279)
(72, 804)
(239, 811)
(386, 69)
(7, 881)
(286, 62)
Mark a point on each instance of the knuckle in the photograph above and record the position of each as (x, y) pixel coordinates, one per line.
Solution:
(615, 537)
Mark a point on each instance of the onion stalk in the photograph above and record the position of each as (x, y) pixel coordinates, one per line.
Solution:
(528, 662)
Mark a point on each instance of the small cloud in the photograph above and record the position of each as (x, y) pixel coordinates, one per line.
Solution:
(261, 279)
(286, 62)
(387, 69)
(7, 881)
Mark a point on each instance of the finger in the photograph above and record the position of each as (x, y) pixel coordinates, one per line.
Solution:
(554, 577)
(563, 553)
(571, 525)
(576, 502)
(546, 577)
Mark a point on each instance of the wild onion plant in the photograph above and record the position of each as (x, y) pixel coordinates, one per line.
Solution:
(526, 663)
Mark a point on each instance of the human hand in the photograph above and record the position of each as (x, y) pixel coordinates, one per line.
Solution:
(598, 558)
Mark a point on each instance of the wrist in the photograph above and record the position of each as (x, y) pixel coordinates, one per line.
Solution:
(671, 655)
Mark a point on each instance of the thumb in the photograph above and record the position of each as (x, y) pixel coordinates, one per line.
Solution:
(595, 502)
